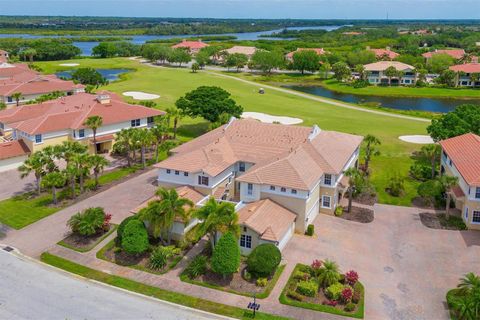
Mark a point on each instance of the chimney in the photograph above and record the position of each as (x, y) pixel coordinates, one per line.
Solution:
(103, 98)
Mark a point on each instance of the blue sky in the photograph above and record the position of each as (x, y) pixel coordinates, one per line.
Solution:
(307, 9)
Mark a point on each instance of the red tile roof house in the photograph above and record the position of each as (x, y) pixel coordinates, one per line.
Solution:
(192, 46)
(55, 121)
(376, 73)
(278, 177)
(454, 53)
(12, 154)
(384, 54)
(461, 158)
(319, 51)
(19, 78)
(466, 71)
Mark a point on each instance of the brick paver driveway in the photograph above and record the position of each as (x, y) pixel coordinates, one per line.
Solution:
(406, 268)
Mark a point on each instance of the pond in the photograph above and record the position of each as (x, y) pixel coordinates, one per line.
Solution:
(109, 74)
(401, 103)
(87, 47)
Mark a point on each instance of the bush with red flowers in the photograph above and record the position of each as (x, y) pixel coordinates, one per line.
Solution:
(347, 294)
(351, 277)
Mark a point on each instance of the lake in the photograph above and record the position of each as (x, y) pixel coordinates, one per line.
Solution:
(109, 74)
(87, 47)
(401, 103)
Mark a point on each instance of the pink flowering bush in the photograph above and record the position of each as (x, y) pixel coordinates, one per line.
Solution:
(351, 277)
(347, 294)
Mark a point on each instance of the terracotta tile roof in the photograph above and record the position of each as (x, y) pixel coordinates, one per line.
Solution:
(71, 112)
(318, 51)
(190, 44)
(464, 151)
(13, 149)
(467, 68)
(454, 53)
(380, 53)
(282, 155)
(269, 219)
(384, 65)
(458, 192)
(242, 49)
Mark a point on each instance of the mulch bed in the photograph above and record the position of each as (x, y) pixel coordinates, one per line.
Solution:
(437, 221)
(362, 215)
(366, 199)
(85, 243)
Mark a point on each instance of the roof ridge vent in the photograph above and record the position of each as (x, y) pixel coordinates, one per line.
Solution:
(315, 131)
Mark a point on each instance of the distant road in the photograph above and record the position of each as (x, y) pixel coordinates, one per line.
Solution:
(30, 290)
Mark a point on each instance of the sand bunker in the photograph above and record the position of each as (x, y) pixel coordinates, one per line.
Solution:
(138, 95)
(419, 139)
(263, 117)
(69, 64)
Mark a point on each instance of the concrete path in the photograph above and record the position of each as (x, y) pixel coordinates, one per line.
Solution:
(31, 290)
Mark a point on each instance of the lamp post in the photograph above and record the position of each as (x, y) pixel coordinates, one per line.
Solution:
(253, 305)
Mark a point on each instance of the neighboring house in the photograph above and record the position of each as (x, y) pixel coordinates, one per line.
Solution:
(180, 227)
(466, 71)
(55, 121)
(299, 169)
(384, 54)
(18, 78)
(376, 73)
(454, 53)
(318, 51)
(192, 46)
(248, 51)
(12, 154)
(461, 158)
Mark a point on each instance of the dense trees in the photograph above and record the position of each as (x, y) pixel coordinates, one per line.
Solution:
(267, 61)
(464, 119)
(89, 76)
(306, 60)
(342, 71)
(236, 60)
(109, 49)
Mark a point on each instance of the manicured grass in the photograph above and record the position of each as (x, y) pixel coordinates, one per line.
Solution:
(172, 83)
(20, 211)
(359, 314)
(113, 227)
(400, 91)
(150, 291)
(268, 289)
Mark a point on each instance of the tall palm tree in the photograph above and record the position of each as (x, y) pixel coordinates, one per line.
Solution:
(217, 217)
(17, 96)
(124, 139)
(54, 180)
(71, 173)
(68, 149)
(371, 142)
(145, 139)
(474, 77)
(176, 114)
(431, 153)
(83, 166)
(50, 154)
(159, 131)
(94, 122)
(390, 72)
(98, 164)
(448, 182)
(36, 164)
(353, 175)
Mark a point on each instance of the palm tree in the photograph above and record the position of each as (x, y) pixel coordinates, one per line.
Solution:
(431, 153)
(390, 72)
(17, 96)
(175, 114)
(124, 139)
(159, 132)
(329, 273)
(82, 164)
(36, 164)
(360, 69)
(50, 154)
(466, 307)
(353, 175)
(54, 180)
(30, 53)
(474, 77)
(98, 164)
(448, 182)
(217, 217)
(145, 138)
(68, 149)
(94, 122)
(370, 149)
(71, 173)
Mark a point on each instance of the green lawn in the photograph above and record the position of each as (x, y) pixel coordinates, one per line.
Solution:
(399, 91)
(150, 291)
(171, 83)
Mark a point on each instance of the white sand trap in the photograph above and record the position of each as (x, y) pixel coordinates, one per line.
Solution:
(267, 118)
(138, 95)
(69, 64)
(419, 139)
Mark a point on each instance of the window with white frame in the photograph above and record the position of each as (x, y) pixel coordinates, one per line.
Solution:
(327, 179)
(38, 138)
(177, 172)
(477, 193)
(135, 123)
(282, 189)
(169, 171)
(249, 189)
(241, 166)
(476, 217)
(272, 188)
(326, 201)
(185, 174)
(81, 133)
(294, 191)
(246, 241)
(202, 180)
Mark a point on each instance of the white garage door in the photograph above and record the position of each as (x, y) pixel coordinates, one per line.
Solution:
(288, 235)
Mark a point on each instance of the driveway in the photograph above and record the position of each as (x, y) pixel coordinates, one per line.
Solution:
(406, 268)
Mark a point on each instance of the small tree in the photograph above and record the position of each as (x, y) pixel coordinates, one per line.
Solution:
(195, 67)
(431, 153)
(54, 180)
(391, 72)
(98, 164)
(342, 71)
(264, 260)
(353, 175)
(329, 273)
(448, 182)
(306, 60)
(396, 185)
(135, 237)
(17, 96)
(94, 122)
(176, 114)
(36, 164)
(371, 142)
(226, 255)
(88, 222)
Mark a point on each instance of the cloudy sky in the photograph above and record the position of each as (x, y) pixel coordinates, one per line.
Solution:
(307, 9)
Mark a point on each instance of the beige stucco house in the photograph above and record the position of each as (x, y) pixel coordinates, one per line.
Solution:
(376, 73)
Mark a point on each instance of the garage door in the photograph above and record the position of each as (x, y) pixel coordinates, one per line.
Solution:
(288, 235)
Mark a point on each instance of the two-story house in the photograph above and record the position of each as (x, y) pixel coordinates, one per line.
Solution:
(280, 177)
(52, 122)
(461, 158)
(468, 74)
(377, 75)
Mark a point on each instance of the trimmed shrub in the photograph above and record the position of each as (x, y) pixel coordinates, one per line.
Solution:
(306, 269)
(88, 222)
(294, 295)
(226, 255)
(338, 211)
(262, 282)
(349, 307)
(334, 291)
(307, 288)
(197, 267)
(357, 292)
(121, 227)
(263, 260)
(160, 256)
(299, 275)
(135, 237)
(310, 230)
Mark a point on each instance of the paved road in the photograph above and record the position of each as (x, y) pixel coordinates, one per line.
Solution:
(34, 291)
